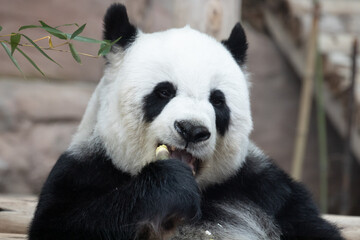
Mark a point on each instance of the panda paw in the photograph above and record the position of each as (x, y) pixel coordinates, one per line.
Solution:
(172, 195)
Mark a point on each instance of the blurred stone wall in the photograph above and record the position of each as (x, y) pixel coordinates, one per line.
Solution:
(214, 17)
(39, 115)
(37, 121)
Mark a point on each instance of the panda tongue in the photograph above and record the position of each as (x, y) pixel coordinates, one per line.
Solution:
(184, 157)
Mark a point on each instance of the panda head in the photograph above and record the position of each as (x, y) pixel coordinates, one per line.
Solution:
(180, 88)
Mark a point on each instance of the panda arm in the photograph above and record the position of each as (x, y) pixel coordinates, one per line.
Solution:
(261, 182)
(90, 199)
(289, 202)
(299, 218)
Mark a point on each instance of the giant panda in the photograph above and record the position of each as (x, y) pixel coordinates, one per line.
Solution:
(183, 89)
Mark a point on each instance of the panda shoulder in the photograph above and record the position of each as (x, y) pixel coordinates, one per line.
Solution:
(83, 169)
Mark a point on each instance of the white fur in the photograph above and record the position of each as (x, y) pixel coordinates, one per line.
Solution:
(248, 222)
(195, 63)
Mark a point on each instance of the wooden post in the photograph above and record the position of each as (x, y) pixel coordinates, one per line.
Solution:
(306, 99)
(321, 127)
(347, 167)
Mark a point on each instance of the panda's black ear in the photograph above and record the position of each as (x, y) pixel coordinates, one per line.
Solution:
(237, 44)
(116, 24)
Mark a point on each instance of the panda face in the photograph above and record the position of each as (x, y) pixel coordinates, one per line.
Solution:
(180, 88)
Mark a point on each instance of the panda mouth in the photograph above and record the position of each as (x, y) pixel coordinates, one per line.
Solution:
(185, 157)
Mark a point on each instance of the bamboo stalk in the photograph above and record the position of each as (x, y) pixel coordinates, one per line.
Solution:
(321, 127)
(347, 169)
(306, 98)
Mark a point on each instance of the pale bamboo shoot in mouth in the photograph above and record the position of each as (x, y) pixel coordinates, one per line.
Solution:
(162, 152)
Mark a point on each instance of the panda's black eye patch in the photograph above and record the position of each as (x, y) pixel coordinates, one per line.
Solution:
(165, 90)
(217, 98)
(222, 111)
(155, 102)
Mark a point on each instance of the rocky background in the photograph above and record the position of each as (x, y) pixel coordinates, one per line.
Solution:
(39, 115)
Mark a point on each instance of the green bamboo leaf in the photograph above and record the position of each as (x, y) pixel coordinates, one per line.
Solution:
(85, 39)
(30, 60)
(74, 53)
(43, 24)
(0, 28)
(28, 26)
(115, 41)
(7, 50)
(67, 25)
(39, 49)
(105, 48)
(56, 33)
(78, 31)
(14, 41)
(53, 31)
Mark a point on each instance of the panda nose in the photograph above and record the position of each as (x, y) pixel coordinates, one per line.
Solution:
(191, 132)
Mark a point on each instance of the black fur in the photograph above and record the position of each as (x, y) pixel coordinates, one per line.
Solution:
(87, 198)
(116, 24)
(155, 102)
(262, 183)
(237, 44)
(222, 111)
